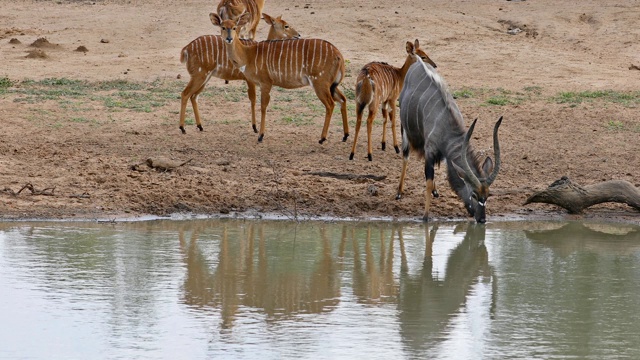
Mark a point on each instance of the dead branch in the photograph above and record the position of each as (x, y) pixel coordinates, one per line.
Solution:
(28, 186)
(292, 215)
(348, 176)
(161, 164)
(576, 198)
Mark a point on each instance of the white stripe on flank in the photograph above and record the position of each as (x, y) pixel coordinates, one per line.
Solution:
(289, 63)
(304, 56)
(280, 62)
(198, 51)
(268, 58)
(221, 51)
(209, 50)
(313, 58)
(295, 65)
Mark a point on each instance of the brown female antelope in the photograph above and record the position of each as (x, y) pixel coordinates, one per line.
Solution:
(288, 64)
(432, 125)
(206, 56)
(378, 84)
(233, 9)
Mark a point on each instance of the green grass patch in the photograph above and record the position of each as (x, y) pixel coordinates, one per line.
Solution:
(500, 100)
(349, 94)
(533, 89)
(615, 125)
(463, 94)
(624, 98)
(5, 82)
(113, 95)
(80, 119)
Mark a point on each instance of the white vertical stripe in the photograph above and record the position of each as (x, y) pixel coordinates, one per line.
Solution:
(304, 57)
(313, 58)
(280, 60)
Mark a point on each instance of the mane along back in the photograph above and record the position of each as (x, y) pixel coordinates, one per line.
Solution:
(430, 118)
(443, 88)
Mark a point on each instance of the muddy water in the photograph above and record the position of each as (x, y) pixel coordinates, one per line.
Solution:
(232, 289)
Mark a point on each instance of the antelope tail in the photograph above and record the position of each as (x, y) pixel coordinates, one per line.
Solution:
(184, 55)
(364, 91)
(340, 71)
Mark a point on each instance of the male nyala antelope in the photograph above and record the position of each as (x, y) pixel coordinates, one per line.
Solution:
(233, 9)
(206, 56)
(288, 64)
(379, 84)
(432, 126)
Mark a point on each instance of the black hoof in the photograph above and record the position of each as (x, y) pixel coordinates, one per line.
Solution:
(344, 138)
(369, 157)
(384, 146)
(182, 129)
(255, 129)
(398, 196)
(351, 156)
(435, 193)
(397, 149)
(200, 127)
(425, 218)
(322, 140)
(260, 138)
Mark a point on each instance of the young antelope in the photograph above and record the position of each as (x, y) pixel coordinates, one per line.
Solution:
(289, 64)
(206, 56)
(378, 86)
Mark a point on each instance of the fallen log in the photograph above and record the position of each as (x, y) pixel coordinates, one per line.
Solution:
(575, 198)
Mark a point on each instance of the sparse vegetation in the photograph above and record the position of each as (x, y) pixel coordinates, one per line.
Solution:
(615, 125)
(5, 83)
(463, 94)
(298, 107)
(624, 98)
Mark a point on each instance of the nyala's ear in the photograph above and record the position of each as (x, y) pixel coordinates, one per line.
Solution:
(268, 19)
(487, 166)
(215, 19)
(416, 44)
(459, 171)
(410, 48)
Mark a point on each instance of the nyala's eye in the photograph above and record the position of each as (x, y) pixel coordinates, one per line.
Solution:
(286, 26)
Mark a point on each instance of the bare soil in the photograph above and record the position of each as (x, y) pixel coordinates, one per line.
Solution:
(505, 58)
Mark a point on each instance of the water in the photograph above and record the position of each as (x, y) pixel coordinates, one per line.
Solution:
(233, 289)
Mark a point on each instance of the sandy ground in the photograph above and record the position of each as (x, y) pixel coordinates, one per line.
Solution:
(83, 169)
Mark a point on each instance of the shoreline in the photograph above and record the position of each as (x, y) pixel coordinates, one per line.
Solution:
(546, 216)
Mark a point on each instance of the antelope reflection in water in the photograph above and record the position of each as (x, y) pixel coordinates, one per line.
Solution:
(428, 303)
(267, 281)
(374, 284)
